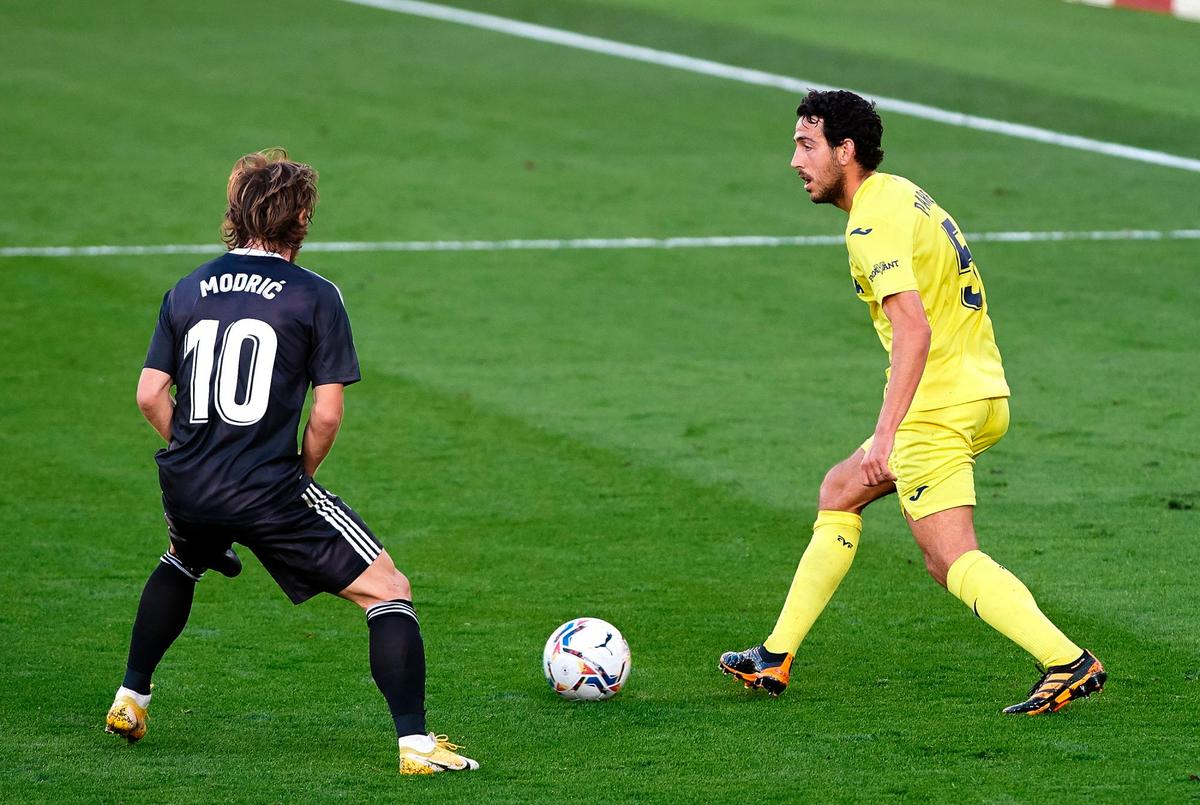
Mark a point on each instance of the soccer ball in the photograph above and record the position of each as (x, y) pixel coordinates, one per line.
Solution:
(586, 659)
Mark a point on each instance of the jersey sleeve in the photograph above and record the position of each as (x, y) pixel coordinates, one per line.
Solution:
(884, 255)
(333, 359)
(161, 355)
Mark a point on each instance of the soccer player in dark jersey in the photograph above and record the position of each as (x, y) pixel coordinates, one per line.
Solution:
(242, 338)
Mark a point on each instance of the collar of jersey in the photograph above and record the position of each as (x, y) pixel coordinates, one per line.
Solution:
(248, 252)
(859, 191)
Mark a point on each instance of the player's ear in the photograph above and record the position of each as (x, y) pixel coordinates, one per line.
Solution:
(845, 152)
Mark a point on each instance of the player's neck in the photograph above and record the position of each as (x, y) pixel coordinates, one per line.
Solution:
(850, 189)
(286, 254)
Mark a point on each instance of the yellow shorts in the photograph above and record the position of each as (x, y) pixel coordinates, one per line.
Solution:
(934, 455)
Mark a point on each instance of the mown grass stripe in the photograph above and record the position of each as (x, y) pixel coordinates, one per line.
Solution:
(664, 58)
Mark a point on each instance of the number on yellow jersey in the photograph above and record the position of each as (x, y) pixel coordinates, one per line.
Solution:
(970, 297)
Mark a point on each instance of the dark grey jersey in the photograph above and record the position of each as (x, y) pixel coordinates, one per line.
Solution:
(243, 337)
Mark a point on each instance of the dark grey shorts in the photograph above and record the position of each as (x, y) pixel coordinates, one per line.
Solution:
(316, 544)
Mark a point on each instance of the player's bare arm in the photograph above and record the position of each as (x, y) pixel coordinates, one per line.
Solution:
(910, 348)
(324, 420)
(154, 399)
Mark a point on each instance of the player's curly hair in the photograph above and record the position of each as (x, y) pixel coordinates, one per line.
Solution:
(847, 117)
(267, 193)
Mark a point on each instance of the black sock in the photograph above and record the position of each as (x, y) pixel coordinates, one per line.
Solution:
(162, 614)
(398, 663)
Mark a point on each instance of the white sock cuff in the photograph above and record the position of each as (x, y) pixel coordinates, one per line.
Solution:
(142, 700)
(420, 742)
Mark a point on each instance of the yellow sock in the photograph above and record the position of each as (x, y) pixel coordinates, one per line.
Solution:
(1000, 599)
(822, 567)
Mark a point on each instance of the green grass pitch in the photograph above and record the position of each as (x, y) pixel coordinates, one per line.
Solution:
(635, 435)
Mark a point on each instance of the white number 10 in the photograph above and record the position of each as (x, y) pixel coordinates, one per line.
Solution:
(202, 339)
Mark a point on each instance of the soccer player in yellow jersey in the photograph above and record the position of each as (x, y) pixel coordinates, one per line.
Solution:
(946, 401)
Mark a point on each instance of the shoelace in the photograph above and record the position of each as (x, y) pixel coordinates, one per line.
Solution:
(1044, 684)
(1037, 688)
(443, 742)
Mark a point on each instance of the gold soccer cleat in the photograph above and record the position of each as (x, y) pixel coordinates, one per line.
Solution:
(126, 718)
(430, 754)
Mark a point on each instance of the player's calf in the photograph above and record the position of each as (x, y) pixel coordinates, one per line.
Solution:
(397, 657)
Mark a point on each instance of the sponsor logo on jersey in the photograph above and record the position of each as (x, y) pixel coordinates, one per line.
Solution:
(860, 231)
(879, 268)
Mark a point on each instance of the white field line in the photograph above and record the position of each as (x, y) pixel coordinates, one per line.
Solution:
(797, 86)
(558, 244)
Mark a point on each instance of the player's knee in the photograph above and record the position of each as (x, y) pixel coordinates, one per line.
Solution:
(379, 583)
(836, 493)
(397, 586)
(937, 568)
(390, 586)
(938, 559)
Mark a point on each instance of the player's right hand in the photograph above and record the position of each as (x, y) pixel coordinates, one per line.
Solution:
(875, 469)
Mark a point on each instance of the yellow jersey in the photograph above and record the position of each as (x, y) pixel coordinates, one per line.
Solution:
(899, 239)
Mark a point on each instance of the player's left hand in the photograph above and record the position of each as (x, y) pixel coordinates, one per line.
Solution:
(875, 468)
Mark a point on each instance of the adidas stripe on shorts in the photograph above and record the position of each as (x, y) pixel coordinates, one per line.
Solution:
(316, 544)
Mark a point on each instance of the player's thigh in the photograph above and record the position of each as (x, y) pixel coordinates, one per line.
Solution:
(843, 490)
(316, 544)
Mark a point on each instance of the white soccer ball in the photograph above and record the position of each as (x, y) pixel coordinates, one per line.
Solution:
(586, 659)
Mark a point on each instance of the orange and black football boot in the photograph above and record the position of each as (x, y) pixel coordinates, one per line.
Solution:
(1062, 684)
(758, 668)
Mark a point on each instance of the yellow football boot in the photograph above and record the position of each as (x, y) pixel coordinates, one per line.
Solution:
(126, 718)
(430, 754)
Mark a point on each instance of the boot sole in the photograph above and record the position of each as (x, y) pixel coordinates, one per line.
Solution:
(770, 684)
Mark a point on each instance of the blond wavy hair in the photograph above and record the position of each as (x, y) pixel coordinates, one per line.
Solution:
(271, 201)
